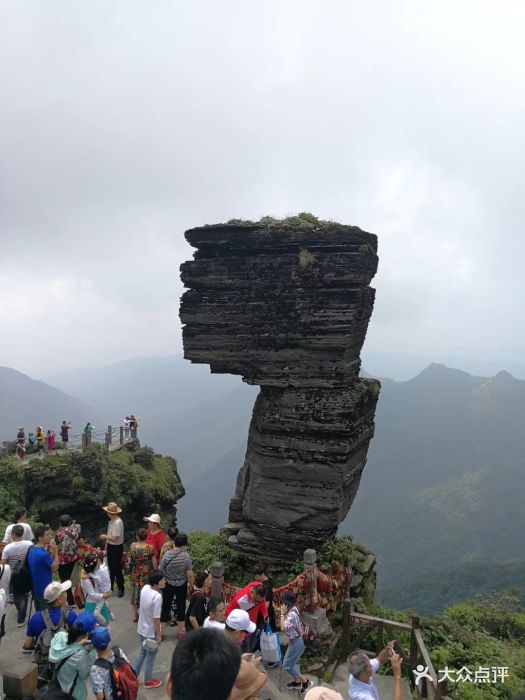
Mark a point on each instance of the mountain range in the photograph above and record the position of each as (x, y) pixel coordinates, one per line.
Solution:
(443, 486)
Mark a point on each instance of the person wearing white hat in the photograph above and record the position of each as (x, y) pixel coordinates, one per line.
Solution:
(114, 539)
(238, 625)
(55, 594)
(156, 537)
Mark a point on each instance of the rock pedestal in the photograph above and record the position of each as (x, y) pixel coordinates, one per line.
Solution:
(286, 304)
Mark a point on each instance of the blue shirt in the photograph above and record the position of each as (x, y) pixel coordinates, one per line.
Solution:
(37, 625)
(39, 562)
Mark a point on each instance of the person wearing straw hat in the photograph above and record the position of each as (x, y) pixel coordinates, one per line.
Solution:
(156, 537)
(114, 541)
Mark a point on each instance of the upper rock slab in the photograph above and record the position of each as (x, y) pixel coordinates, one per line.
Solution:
(282, 303)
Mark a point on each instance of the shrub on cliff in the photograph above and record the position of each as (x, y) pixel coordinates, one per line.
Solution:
(80, 483)
(208, 547)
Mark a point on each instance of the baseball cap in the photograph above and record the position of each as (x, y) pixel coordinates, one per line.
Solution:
(86, 622)
(240, 620)
(54, 589)
(100, 637)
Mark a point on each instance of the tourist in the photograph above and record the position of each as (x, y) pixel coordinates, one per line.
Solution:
(73, 655)
(155, 536)
(42, 561)
(216, 610)
(100, 675)
(114, 540)
(197, 607)
(95, 597)
(21, 442)
(88, 429)
(40, 439)
(142, 561)
(103, 580)
(19, 518)
(252, 599)
(292, 624)
(249, 681)
(15, 554)
(170, 542)
(361, 684)
(133, 426)
(259, 574)
(204, 665)
(178, 569)
(50, 440)
(149, 627)
(66, 538)
(125, 421)
(238, 625)
(55, 595)
(64, 434)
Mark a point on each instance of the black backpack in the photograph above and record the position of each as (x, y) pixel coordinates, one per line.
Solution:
(22, 578)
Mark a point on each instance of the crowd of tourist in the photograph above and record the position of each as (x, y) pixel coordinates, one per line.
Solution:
(217, 649)
(41, 439)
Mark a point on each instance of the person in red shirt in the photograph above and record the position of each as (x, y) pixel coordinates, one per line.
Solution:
(252, 599)
(156, 537)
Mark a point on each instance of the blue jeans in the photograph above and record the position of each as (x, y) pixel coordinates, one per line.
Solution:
(149, 657)
(293, 654)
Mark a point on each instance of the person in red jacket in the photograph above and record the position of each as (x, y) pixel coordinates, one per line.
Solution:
(252, 599)
(156, 537)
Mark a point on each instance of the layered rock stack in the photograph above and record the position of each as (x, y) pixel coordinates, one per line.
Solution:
(286, 304)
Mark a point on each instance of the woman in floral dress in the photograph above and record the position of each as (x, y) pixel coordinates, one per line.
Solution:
(142, 560)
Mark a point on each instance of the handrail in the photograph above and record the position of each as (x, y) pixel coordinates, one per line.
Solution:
(391, 623)
(428, 687)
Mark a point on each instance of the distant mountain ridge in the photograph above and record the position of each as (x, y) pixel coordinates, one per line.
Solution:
(445, 475)
(30, 402)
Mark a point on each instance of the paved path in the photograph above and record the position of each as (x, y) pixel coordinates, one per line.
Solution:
(123, 632)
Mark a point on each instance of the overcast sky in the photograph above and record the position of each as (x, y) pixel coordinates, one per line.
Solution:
(124, 123)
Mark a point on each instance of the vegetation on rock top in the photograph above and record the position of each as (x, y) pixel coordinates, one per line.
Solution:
(80, 483)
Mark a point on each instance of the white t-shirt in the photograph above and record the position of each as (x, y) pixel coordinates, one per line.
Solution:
(28, 533)
(5, 577)
(102, 576)
(116, 527)
(15, 551)
(214, 624)
(150, 607)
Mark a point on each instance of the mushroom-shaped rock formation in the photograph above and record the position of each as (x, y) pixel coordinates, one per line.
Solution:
(286, 304)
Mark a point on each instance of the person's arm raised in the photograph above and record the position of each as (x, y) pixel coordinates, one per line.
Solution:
(395, 662)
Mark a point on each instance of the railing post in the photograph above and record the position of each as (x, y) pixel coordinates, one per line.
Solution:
(84, 442)
(345, 631)
(46, 444)
(413, 643)
(121, 434)
(217, 572)
(309, 560)
(110, 434)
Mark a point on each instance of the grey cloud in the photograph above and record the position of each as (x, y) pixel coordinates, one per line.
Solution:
(123, 124)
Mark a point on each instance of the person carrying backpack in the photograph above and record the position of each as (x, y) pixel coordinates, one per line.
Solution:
(111, 676)
(72, 656)
(55, 596)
